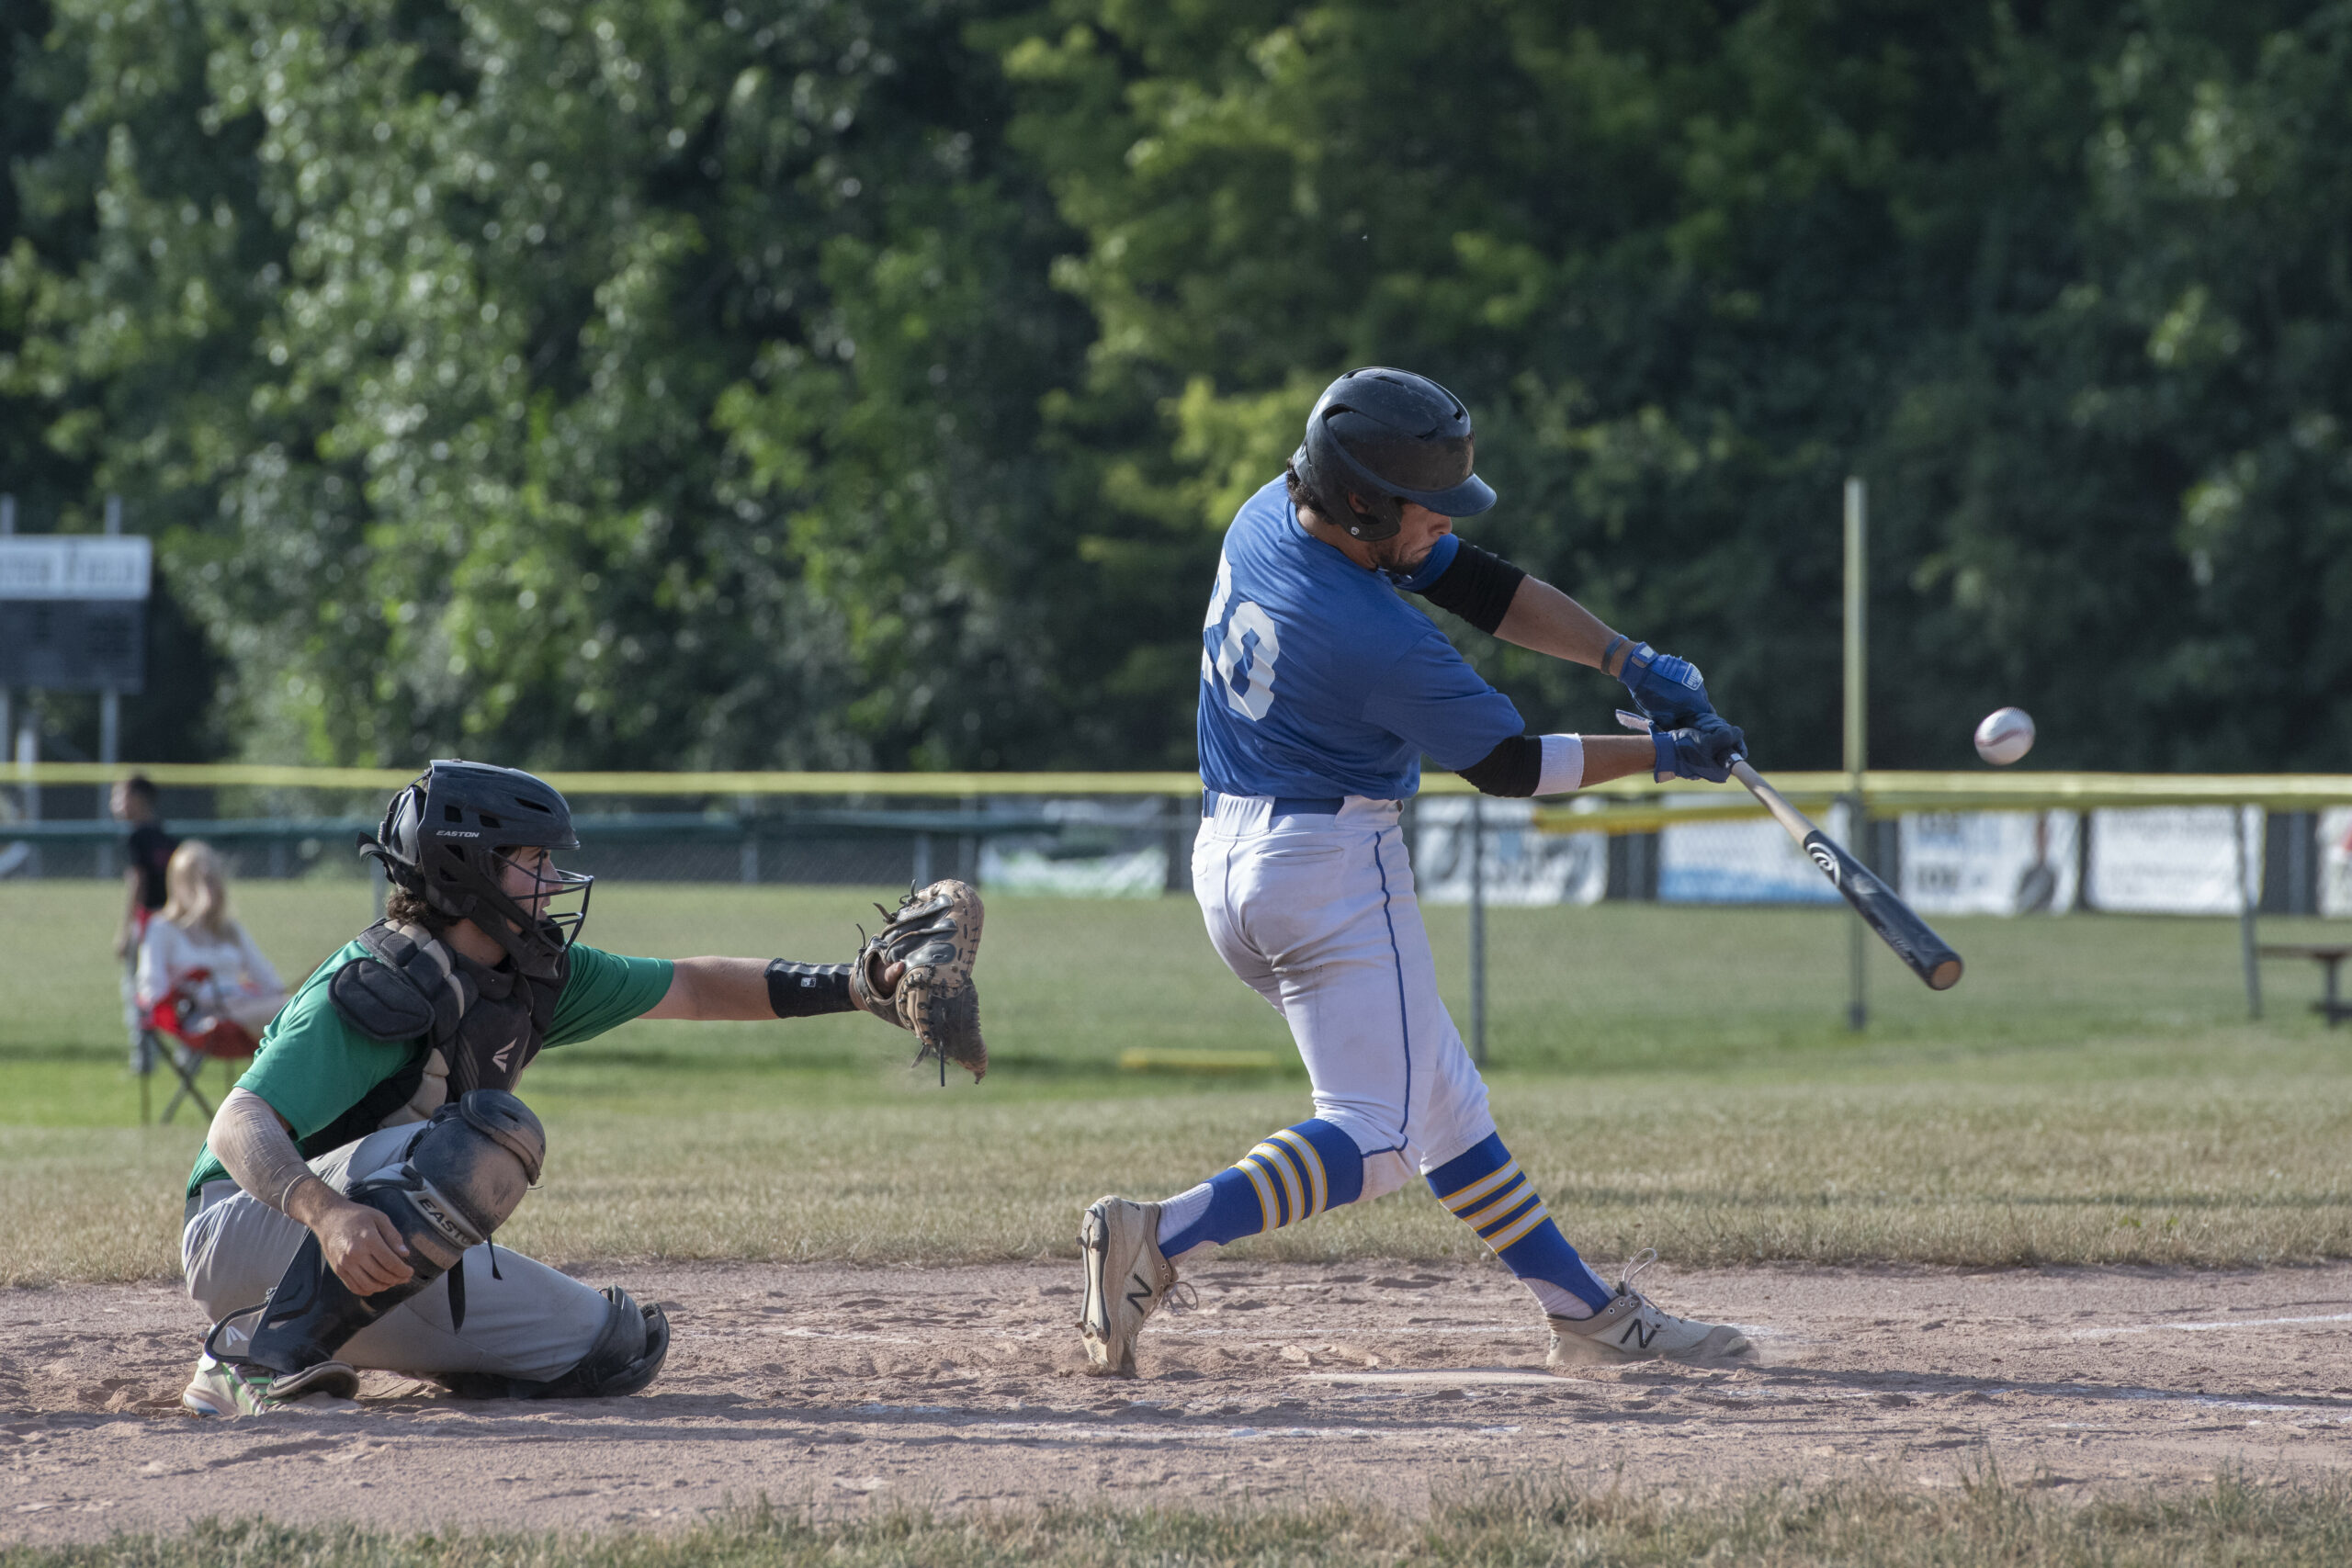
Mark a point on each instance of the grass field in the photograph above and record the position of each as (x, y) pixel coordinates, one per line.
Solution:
(1673, 1078)
(1987, 1524)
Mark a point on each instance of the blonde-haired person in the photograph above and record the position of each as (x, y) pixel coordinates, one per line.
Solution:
(196, 947)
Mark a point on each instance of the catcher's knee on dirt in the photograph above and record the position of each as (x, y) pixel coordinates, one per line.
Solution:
(464, 1175)
(627, 1355)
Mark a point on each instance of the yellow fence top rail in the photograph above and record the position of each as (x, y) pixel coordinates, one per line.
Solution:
(270, 776)
(1885, 790)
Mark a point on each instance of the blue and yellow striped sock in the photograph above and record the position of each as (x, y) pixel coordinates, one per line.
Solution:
(1292, 1175)
(1486, 1191)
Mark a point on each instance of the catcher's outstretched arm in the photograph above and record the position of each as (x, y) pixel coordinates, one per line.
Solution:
(711, 990)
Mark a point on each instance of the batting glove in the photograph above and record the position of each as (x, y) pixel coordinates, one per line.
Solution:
(1702, 750)
(1669, 692)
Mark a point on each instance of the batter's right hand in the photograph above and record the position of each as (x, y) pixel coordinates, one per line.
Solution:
(362, 1247)
(1705, 750)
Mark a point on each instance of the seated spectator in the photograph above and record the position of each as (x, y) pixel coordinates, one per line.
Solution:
(192, 947)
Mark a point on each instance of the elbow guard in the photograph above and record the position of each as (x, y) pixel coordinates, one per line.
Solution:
(1479, 587)
(1513, 768)
(1530, 764)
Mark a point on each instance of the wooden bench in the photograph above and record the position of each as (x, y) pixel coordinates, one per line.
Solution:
(2327, 955)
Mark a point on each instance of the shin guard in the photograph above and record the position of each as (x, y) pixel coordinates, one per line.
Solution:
(628, 1354)
(464, 1175)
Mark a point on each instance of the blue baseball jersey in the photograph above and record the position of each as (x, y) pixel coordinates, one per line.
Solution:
(1317, 680)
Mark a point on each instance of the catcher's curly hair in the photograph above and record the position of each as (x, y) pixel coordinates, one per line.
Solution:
(403, 907)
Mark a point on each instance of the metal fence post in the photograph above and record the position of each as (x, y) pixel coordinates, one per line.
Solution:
(1183, 817)
(2247, 917)
(27, 792)
(110, 712)
(1857, 936)
(7, 710)
(1478, 930)
(968, 847)
(1857, 672)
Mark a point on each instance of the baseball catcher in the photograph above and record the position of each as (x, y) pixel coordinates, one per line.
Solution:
(342, 1211)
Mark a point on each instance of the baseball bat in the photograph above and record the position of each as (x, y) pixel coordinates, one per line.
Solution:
(1928, 955)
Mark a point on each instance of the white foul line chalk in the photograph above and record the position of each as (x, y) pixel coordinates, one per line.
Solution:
(2208, 1327)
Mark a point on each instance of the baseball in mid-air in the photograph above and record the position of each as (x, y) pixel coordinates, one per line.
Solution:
(2006, 735)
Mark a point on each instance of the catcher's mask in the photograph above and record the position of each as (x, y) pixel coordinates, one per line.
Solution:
(451, 837)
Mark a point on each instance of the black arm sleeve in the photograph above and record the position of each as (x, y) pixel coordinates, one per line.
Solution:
(1479, 588)
(1512, 768)
(807, 991)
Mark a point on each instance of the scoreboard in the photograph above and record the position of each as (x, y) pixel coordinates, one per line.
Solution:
(72, 611)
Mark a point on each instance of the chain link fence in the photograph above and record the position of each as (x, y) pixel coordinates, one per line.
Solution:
(1553, 922)
(1566, 926)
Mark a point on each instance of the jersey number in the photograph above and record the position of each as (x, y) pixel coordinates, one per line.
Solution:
(1241, 650)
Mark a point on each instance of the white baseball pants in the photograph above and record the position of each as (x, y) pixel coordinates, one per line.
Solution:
(1317, 913)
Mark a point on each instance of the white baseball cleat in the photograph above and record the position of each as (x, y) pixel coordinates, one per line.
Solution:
(1632, 1328)
(1126, 1278)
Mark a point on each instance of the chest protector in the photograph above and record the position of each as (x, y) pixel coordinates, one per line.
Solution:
(472, 1026)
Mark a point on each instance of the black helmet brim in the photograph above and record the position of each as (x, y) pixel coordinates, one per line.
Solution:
(1467, 499)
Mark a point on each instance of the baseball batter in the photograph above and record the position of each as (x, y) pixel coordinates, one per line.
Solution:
(1321, 689)
(340, 1214)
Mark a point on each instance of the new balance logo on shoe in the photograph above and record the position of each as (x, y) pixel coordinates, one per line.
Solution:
(1117, 1242)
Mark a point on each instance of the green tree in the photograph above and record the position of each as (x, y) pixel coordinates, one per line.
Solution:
(834, 382)
(54, 404)
(2137, 470)
(625, 384)
(2064, 280)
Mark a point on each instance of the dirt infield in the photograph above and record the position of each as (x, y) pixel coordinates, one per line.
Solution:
(847, 1389)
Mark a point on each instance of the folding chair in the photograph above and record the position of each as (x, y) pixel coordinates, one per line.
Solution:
(188, 1039)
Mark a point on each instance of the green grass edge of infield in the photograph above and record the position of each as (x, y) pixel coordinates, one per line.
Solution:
(1981, 1521)
(1671, 1077)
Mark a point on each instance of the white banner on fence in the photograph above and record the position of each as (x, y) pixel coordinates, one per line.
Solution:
(1989, 863)
(1522, 866)
(2153, 860)
(2173, 860)
(1104, 849)
(1135, 873)
(1743, 862)
(2336, 862)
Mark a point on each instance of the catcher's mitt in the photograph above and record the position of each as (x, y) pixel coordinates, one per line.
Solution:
(936, 932)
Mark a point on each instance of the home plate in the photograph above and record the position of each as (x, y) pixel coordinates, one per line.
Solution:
(1452, 1377)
